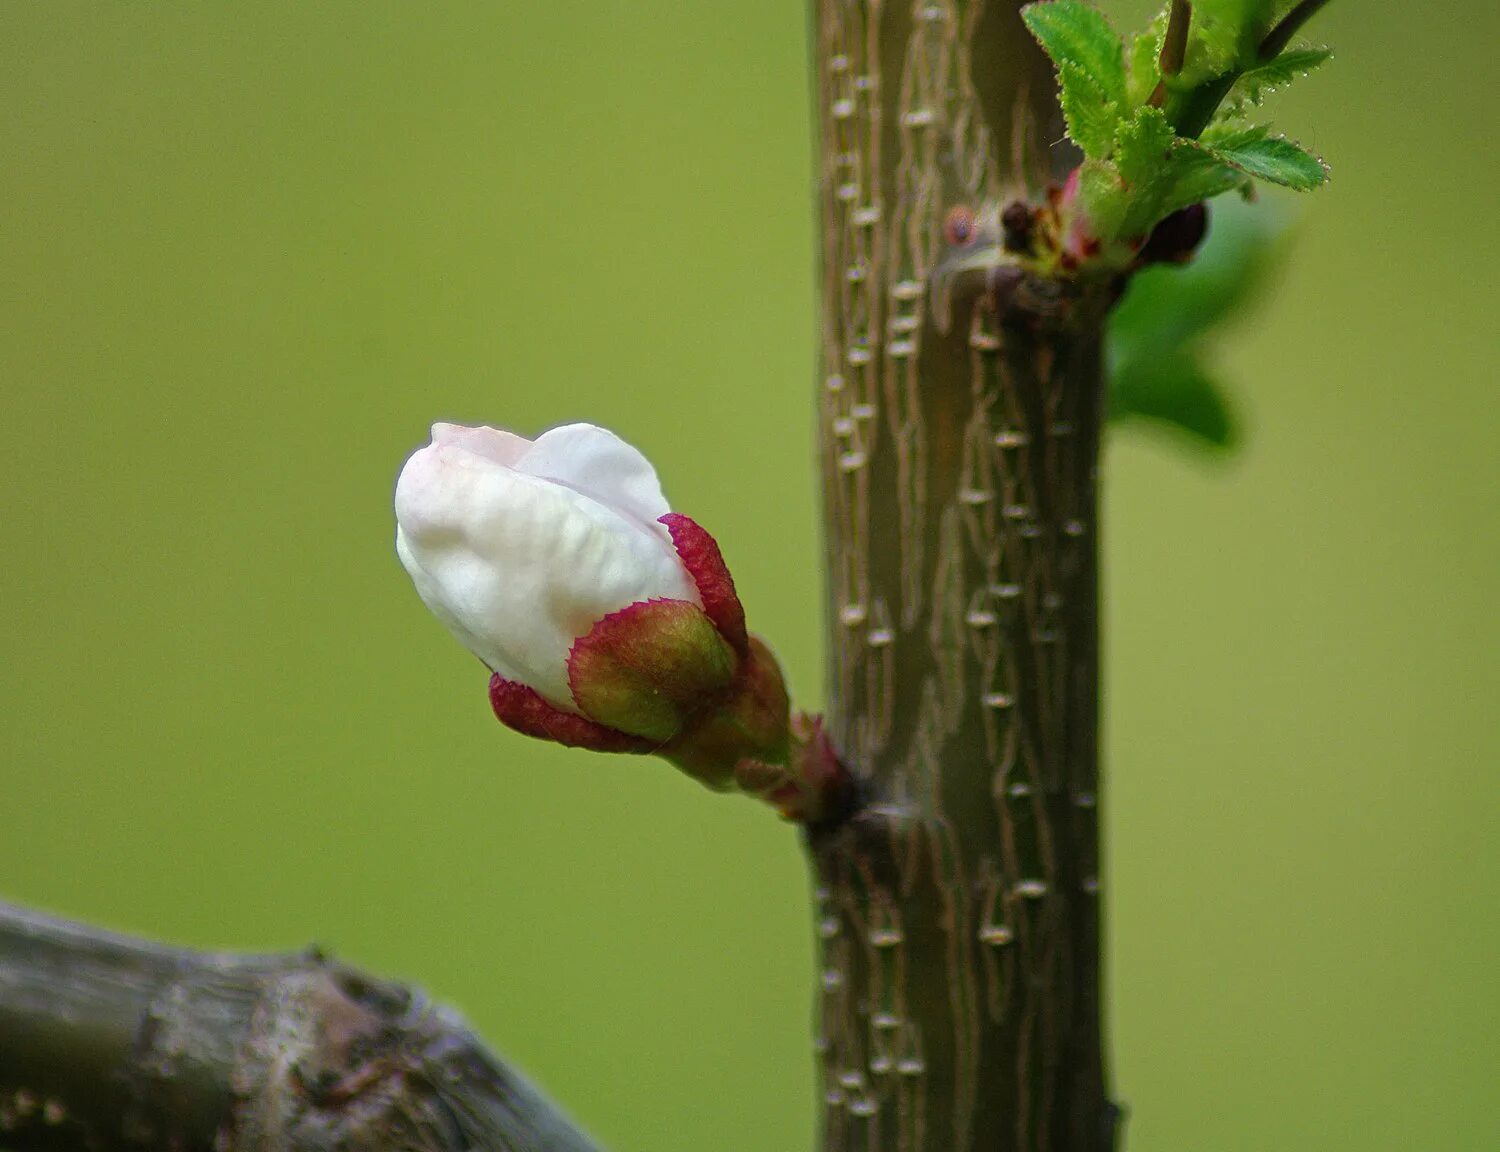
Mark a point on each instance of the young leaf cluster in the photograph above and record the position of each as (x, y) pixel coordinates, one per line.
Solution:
(1163, 122)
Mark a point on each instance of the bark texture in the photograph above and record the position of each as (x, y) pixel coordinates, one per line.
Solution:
(959, 910)
(109, 1043)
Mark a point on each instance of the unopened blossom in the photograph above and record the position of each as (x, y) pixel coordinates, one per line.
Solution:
(607, 620)
(521, 546)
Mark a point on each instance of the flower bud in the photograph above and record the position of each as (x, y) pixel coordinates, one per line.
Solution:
(520, 547)
(607, 621)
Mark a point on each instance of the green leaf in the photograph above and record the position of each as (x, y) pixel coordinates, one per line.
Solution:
(1234, 27)
(1143, 63)
(1143, 154)
(1256, 84)
(1213, 49)
(1193, 175)
(1090, 114)
(1272, 158)
(1222, 40)
(1073, 32)
(1167, 306)
(1142, 145)
(1177, 392)
(1253, 16)
(1223, 135)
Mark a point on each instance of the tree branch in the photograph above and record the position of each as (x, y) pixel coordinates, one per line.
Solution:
(110, 1043)
(959, 909)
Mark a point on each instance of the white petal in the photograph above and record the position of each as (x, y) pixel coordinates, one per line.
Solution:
(597, 463)
(435, 596)
(492, 443)
(519, 567)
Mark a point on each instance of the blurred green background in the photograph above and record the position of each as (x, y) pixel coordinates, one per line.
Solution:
(249, 252)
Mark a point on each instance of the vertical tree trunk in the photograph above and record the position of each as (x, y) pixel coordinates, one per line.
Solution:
(959, 910)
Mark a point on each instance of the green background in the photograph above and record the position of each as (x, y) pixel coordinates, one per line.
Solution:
(249, 252)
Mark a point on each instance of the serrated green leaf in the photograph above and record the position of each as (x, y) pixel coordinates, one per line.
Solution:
(1177, 392)
(1222, 40)
(1142, 154)
(1142, 144)
(1193, 176)
(1238, 25)
(1272, 158)
(1091, 116)
(1222, 135)
(1143, 62)
(1213, 49)
(1256, 84)
(1073, 32)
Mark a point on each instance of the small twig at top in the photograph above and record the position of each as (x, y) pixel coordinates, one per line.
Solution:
(1173, 49)
(1174, 43)
(1281, 35)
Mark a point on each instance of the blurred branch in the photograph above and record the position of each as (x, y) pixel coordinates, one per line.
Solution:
(108, 1042)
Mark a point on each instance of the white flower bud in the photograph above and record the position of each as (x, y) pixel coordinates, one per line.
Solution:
(521, 546)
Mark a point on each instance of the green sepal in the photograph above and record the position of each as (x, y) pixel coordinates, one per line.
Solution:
(750, 722)
(650, 668)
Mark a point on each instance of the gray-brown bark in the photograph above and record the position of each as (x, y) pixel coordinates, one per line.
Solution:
(959, 911)
(109, 1043)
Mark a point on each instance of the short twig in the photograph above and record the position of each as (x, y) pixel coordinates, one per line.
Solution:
(1281, 35)
(1173, 49)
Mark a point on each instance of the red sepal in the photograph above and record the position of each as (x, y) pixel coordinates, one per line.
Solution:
(704, 562)
(523, 709)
